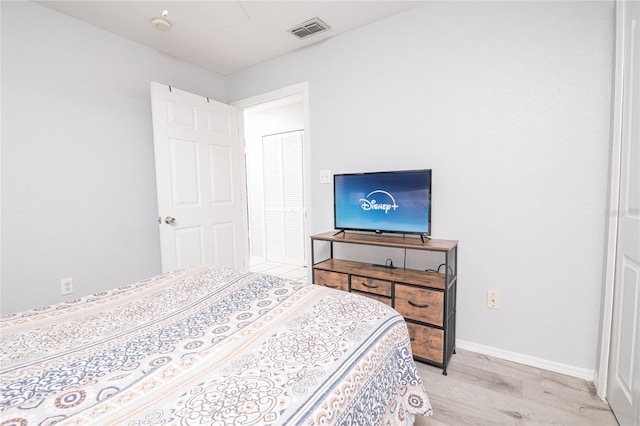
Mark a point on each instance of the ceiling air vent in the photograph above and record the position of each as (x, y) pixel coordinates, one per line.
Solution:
(308, 28)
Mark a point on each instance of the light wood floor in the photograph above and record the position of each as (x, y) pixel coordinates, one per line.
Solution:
(481, 390)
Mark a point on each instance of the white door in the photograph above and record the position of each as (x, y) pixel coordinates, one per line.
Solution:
(282, 162)
(623, 388)
(200, 180)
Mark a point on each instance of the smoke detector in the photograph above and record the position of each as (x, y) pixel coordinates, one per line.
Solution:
(161, 23)
(310, 27)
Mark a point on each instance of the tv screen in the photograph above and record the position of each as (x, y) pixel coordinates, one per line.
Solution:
(398, 201)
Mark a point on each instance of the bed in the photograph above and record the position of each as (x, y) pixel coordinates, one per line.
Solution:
(210, 346)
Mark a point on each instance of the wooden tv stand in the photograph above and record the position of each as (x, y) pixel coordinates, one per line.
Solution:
(426, 299)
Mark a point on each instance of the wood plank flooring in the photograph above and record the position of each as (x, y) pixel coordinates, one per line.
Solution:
(482, 390)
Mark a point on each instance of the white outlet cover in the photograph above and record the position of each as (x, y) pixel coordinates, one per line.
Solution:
(66, 286)
(493, 299)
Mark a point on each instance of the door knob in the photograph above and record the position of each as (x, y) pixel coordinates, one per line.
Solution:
(169, 220)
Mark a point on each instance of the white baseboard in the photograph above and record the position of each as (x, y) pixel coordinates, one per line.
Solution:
(556, 367)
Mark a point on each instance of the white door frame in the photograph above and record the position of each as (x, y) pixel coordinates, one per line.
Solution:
(296, 89)
(612, 225)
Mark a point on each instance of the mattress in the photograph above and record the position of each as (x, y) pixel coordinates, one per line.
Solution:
(210, 346)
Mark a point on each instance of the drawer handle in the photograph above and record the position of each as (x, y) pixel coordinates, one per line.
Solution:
(417, 305)
(369, 285)
(412, 339)
(331, 286)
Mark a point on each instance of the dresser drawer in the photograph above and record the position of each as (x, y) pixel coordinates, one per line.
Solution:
(426, 342)
(420, 304)
(371, 285)
(330, 279)
(385, 300)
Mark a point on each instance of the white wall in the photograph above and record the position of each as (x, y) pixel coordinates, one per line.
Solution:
(509, 104)
(78, 179)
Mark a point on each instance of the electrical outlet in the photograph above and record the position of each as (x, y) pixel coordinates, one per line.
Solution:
(493, 299)
(66, 286)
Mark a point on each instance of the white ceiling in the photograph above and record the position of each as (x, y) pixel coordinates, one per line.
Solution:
(225, 36)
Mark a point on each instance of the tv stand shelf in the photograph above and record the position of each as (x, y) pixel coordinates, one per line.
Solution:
(426, 299)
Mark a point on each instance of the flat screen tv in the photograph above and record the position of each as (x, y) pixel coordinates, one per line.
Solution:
(397, 201)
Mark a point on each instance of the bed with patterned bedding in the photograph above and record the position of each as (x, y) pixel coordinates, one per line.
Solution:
(210, 346)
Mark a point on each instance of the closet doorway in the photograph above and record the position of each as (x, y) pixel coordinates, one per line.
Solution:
(276, 189)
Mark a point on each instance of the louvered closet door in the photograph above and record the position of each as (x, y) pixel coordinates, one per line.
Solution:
(284, 198)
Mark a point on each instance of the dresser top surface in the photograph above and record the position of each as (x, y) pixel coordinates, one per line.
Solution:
(404, 241)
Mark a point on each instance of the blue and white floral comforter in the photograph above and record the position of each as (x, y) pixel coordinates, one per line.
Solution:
(210, 346)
